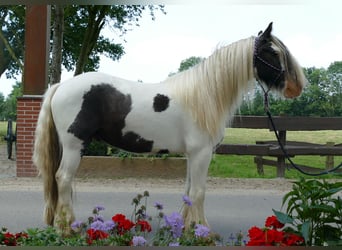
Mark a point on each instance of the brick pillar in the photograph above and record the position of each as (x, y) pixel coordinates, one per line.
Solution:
(28, 108)
(37, 25)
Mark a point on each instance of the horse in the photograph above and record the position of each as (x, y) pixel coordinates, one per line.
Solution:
(186, 113)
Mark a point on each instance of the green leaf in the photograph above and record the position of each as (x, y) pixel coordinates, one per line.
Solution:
(287, 196)
(323, 208)
(334, 243)
(334, 190)
(282, 217)
(305, 231)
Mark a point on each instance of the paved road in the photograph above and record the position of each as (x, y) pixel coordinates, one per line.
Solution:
(7, 167)
(21, 206)
(227, 213)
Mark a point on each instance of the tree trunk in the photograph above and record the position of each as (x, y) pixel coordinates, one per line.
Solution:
(57, 45)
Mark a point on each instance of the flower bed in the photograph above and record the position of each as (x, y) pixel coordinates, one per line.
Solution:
(313, 217)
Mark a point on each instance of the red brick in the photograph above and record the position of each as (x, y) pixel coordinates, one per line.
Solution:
(33, 104)
(32, 129)
(27, 108)
(27, 111)
(24, 124)
(31, 112)
(30, 120)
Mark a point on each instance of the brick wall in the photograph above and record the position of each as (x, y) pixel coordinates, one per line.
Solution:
(28, 108)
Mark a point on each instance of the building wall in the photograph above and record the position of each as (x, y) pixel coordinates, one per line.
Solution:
(28, 108)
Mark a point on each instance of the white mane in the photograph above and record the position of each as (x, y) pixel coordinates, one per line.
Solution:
(213, 89)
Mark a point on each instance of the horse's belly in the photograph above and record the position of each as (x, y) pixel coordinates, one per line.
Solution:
(137, 143)
(154, 131)
(150, 137)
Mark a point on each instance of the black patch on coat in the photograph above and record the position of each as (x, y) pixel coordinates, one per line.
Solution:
(160, 102)
(163, 152)
(135, 143)
(102, 116)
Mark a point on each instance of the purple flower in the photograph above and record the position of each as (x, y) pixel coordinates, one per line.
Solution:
(187, 200)
(138, 241)
(109, 225)
(176, 224)
(145, 215)
(98, 225)
(174, 244)
(201, 230)
(98, 218)
(99, 208)
(76, 225)
(103, 226)
(158, 205)
(231, 237)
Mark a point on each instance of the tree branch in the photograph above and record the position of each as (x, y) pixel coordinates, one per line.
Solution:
(10, 50)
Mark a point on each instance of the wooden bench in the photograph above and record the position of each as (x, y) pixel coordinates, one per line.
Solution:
(272, 148)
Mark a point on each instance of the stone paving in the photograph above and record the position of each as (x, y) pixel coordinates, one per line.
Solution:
(7, 167)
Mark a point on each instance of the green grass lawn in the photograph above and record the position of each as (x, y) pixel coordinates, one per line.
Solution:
(3, 130)
(236, 166)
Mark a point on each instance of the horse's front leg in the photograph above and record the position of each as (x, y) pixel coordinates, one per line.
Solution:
(198, 164)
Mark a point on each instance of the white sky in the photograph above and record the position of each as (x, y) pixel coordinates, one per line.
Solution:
(310, 29)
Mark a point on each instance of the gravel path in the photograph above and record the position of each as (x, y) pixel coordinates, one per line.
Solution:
(215, 185)
(8, 181)
(7, 167)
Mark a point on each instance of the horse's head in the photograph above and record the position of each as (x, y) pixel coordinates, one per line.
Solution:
(276, 67)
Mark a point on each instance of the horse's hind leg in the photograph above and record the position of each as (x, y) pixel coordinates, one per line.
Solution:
(71, 157)
(197, 169)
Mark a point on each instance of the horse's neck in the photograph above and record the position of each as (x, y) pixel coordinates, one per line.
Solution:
(213, 89)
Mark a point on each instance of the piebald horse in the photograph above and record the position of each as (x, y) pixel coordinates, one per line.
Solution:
(186, 113)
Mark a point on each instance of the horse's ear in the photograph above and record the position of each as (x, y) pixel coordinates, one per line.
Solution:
(267, 32)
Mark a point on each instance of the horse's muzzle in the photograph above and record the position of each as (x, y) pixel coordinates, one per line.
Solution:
(292, 89)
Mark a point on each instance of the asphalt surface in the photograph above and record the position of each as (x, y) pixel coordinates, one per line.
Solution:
(230, 206)
(226, 213)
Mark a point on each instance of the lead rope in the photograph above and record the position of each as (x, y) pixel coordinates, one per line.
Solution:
(269, 115)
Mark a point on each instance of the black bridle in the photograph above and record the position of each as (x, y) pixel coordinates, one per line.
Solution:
(269, 115)
(256, 57)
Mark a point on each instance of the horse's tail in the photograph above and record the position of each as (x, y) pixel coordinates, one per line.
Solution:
(47, 154)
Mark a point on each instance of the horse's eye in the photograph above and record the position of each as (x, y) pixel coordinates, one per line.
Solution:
(272, 52)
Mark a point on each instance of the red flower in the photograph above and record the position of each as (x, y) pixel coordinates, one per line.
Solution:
(122, 224)
(21, 235)
(118, 217)
(143, 226)
(293, 240)
(8, 240)
(274, 237)
(257, 237)
(270, 236)
(272, 222)
(95, 235)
